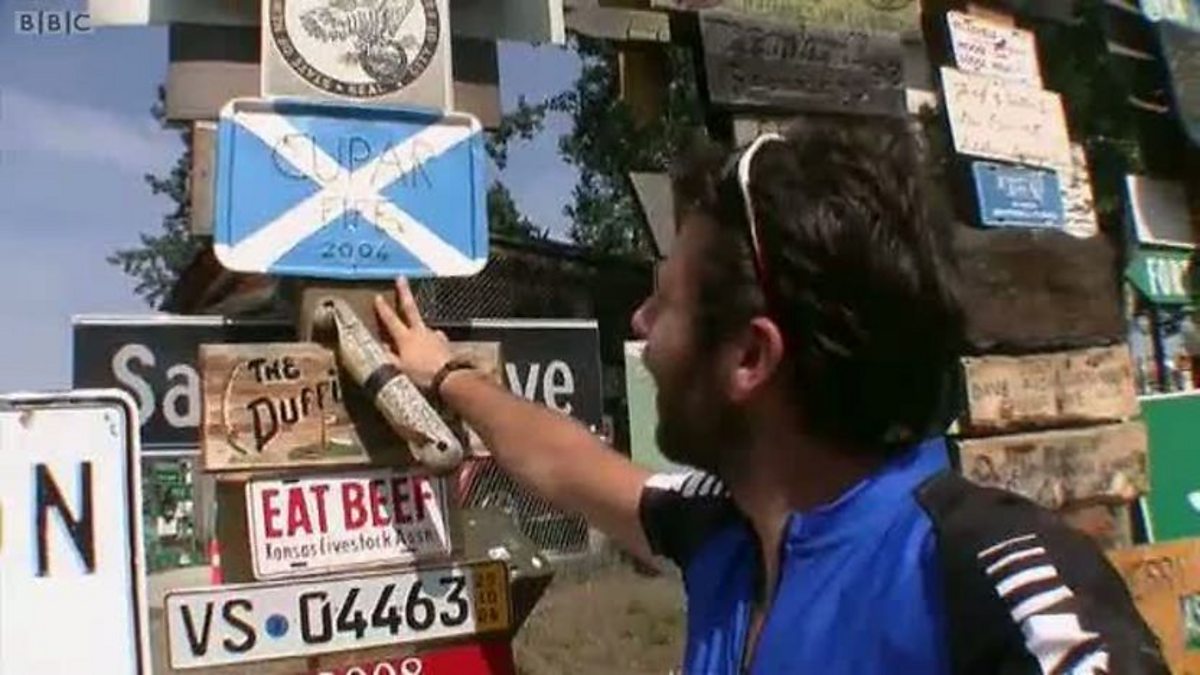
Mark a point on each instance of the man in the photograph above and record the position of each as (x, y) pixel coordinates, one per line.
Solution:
(801, 337)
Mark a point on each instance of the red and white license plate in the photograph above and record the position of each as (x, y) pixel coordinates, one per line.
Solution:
(256, 622)
(345, 522)
(482, 658)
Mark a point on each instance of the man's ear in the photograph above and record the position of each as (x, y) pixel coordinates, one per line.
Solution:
(755, 356)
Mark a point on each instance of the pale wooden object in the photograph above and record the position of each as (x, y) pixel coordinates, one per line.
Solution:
(200, 186)
(1160, 577)
(985, 46)
(1007, 393)
(1007, 121)
(196, 90)
(1054, 468)
(1078, 200)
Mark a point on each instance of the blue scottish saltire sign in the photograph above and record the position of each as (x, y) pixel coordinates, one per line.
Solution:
(349, 192)
(1018, 196)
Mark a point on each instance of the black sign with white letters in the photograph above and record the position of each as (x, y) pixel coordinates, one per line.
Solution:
(154, 359)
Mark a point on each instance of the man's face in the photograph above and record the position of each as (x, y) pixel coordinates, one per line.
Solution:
(697, 424)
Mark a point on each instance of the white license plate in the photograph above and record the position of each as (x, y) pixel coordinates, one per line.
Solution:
(256, 622)
(345, 522)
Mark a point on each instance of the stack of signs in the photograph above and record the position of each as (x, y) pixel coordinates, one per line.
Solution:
(999, 111)
(337, 542)
(1055, 418)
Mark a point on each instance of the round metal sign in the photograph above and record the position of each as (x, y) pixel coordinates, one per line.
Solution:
(357, 48)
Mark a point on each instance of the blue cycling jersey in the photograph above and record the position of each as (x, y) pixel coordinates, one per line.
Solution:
(864, 586)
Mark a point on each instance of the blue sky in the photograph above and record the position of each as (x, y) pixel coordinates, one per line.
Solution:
(76, 137)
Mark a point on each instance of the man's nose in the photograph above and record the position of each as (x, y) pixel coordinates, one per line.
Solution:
(639, 323)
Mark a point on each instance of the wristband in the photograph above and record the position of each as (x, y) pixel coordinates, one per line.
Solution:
(435, 386)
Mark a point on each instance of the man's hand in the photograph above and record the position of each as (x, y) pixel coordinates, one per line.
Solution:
(420, 352)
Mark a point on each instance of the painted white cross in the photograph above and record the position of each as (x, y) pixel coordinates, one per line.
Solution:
(349, 190)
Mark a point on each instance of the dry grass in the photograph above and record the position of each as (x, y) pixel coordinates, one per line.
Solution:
(603, 620)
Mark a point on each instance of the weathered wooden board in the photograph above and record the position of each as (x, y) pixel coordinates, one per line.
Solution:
(196, 90)
(987, 47)
(1008, 121)
(756, 64)
(1164, 580)
(614, 23)
(285, 405)
(1007, 393)
(1160, 213)
(1036, 290)
(200, 183)
(1078, 200)
(1055, 468)
(893, 15)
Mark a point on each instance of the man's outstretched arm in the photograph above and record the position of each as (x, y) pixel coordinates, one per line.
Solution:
(546, 451)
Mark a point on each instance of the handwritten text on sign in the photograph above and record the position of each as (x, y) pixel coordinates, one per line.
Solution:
(758, 64)
(346, 521)
(988, 48)
(1007, 121)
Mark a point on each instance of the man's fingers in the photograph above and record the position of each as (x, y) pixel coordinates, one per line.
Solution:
(410, 314)
(388, 317)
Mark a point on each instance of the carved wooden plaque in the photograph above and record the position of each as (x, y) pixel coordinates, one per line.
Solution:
(1164, 580)
(1055, 468)
(285, 405)
(1007, 393)
(756, 64)
(1008, 121)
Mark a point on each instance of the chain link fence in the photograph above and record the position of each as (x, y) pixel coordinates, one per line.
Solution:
(545, 280)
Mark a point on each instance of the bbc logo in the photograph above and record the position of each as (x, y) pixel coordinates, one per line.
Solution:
(46, 22)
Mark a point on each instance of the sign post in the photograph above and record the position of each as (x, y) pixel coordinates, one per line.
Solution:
(71, 560)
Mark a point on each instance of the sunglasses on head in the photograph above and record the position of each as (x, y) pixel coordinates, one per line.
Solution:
(734, 192)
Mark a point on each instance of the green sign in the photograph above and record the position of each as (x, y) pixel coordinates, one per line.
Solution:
(1173, 422)
(1164, 276)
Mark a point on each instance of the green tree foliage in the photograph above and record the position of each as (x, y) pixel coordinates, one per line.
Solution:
(160, 258)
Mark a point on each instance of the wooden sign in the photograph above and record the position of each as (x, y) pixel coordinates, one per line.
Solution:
(886, 15)
(1007, 121)
(755, 64)
(986, 47)
(481, 658)
(1055, 468)
(388, 51)
(200, 182)
(1006, 393)
(346, 521)
(1028, 291)
(1079, 204)
(284, 405)
(1160, 213)
(1164, 580)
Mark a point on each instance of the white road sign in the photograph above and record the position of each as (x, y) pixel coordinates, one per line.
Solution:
(339, 522)
(255, 622)
(72, 584)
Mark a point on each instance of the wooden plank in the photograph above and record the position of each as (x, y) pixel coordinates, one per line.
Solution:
(1007, 121)
(1164, 580)
(613, 23)
(1078, 200)
(200, 183)
(644, 72)
(986, 47)
(1160, 212)
(756, 64)
(196, 90)
(1036, 291)
(1055, 468)
(284, 405)
(1006, 393)
(890, 15)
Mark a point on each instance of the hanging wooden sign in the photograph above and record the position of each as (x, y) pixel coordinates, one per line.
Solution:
(1164, 580)
(880, 15)
(200, 182)
(388, 51)
(1055, 468)
(1007, 121)
(284, 405)
(1007, 393)
(985, 47)
(756, 64)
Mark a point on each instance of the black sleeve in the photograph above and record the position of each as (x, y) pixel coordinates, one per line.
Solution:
(679, 512)
(1026, 594)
